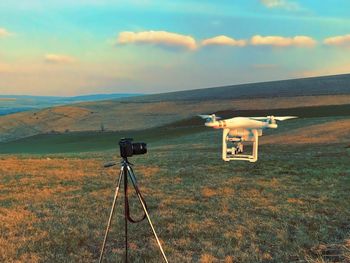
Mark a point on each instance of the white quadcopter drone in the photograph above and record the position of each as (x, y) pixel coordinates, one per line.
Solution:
(242, 129)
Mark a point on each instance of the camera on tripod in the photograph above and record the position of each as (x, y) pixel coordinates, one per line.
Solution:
(128, 148)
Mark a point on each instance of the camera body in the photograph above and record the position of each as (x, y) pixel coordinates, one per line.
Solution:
(128, 148)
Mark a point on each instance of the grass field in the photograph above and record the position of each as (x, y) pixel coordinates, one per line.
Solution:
(291, 206)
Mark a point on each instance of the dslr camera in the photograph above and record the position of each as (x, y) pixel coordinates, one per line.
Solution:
(128, 148)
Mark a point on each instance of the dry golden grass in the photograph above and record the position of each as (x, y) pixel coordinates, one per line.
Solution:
(32, 181)
(272, 183)
(229, 259)
(280, 209)
(149, 171)
(332, 252)
(70, 111)
(35, 181)
(40, 169)
(13, 221)
(207, 258)
(208, 192)
(295, 201)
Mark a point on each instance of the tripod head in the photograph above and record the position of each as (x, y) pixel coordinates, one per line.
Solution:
(113, 163)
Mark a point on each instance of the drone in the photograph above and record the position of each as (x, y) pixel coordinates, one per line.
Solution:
(238, 130)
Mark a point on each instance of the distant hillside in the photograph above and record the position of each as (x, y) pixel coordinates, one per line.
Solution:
(149, 111)
(326, 85)
(319, 124)
(18, 103)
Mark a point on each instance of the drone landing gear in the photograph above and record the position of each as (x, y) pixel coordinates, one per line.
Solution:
(235, 152)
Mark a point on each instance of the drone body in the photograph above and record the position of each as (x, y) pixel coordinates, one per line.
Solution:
(242, 129)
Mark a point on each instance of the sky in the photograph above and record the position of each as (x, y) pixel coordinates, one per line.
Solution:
(66, 48)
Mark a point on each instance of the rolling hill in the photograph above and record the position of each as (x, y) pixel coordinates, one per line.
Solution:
(324, 85)
(17, 103)
(316, 124)
(145, 112)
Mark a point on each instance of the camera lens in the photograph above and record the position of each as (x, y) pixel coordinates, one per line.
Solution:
(139, 148)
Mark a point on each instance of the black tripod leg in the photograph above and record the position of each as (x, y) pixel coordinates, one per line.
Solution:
(111, 214)
(125, 171)
(133, 180)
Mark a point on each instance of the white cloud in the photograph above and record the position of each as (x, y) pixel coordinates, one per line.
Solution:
(178, 40)
(157, 38)
(4, 32)
(223, 41)
(59, 59)
(278, 41)
(338, 40)
(282, 4)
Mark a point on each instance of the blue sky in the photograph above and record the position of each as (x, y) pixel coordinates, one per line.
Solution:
(80, 47)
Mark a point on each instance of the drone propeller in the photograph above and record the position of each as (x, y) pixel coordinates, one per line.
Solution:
(277, 118)
(204, 116)
(283, 118)
(211, 117)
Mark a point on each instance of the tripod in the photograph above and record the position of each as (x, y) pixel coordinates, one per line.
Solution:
(125, 172)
